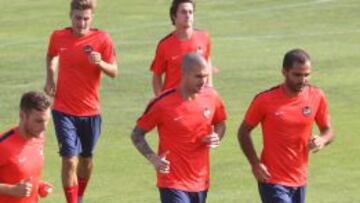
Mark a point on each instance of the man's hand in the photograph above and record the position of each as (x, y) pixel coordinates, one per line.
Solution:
(160, 163)
(261, 172)
(45, 189)
(49, 88)
(22, 189)
(212, 140)
(316, 143)
(95, 58)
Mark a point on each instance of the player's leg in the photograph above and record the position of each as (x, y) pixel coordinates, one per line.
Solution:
(272, 193)
(69, 178)
(299, 195)
(83, 173)
(69, 144)
(168, 195)
(198, 197)
(89, 134)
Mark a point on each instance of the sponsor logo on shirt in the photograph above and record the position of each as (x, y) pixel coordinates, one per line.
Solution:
(21, 160)
(279, 113)
(206, 113)
(178, 118)
(307, 110)
(173, 58)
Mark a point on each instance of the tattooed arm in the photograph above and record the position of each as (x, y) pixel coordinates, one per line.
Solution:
(159, 162)
(138, 139)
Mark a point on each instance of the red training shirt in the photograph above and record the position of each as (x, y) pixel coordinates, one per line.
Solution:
(181, 126)
(21, 159)
(77, 89)
(286, 124)
(171, 51)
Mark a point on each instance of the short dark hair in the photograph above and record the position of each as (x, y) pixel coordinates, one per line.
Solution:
(295, 56)
(175, 5)
(82, 5)
(34, 101)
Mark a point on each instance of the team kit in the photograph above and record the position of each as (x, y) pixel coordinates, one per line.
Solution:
(187, 112)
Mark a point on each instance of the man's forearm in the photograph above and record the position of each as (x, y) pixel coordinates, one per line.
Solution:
(51, 65)
(220, 129)
(247, 145)
(138, 139)
(110, 69)
(5, 189)
(157, 84)
(327, 134)
(211, 73)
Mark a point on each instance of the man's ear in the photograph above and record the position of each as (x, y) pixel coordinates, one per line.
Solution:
(22, 115)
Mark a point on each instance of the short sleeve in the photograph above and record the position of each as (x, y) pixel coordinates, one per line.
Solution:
(150, 118)
(108, 53)
(220, 112)
(53, 49)
(322, 116)
(158, 63)
(4, 147)
(3, 157)
(254, 113)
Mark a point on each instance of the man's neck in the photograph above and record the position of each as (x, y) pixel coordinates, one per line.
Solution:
(184, 33)
(22, 131)
(289, 92)
(76, 34)
(186, 94)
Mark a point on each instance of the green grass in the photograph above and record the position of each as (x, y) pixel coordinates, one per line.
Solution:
(249, 39)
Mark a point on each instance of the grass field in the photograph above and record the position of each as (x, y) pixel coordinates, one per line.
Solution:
(249, 39)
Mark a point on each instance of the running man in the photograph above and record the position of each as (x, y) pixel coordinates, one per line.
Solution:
(82, 54)
(166, 65)
(286, 113)
(190, 120)
(22, 152)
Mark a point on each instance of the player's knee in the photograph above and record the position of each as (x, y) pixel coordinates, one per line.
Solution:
(88, 154)
(86, 162)
(70, 163)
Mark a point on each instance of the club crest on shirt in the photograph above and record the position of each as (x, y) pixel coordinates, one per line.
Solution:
(87, 49)
(207, 113)
(307, 111)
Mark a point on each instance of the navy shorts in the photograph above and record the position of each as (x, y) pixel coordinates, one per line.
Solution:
(168, 195)
(273, 193)
(76, 135)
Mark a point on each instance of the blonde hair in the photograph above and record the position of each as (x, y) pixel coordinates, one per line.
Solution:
(83, 5)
